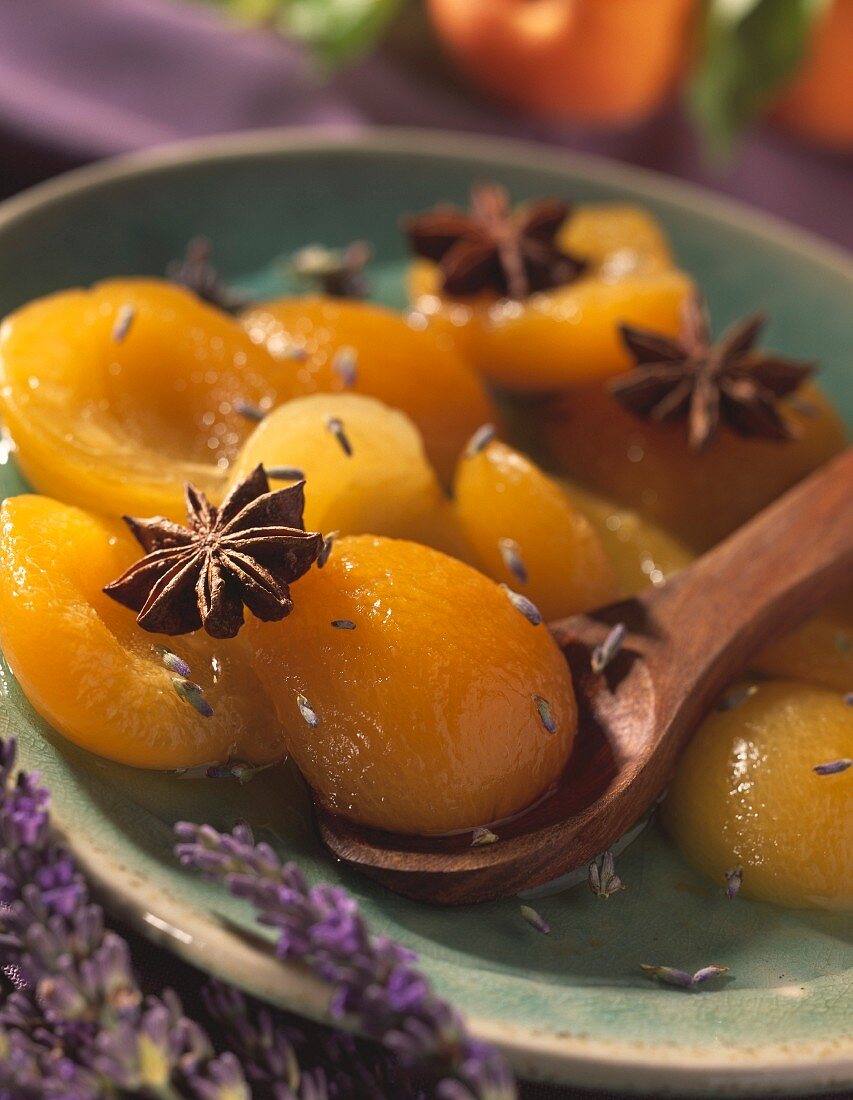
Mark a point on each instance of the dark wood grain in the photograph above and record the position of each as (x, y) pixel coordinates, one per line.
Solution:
(687, 641)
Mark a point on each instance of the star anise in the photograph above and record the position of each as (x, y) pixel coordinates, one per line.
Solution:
(246, 552)
(195, 271)
(702, 382)
(493, 247)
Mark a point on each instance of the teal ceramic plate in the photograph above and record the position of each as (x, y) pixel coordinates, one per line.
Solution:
(573, 1006)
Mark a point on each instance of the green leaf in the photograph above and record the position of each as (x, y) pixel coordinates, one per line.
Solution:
(750, 48)
(335, 31)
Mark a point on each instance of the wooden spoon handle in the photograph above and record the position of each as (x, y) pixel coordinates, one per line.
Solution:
(764, 579)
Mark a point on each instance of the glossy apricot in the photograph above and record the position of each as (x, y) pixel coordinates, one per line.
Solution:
(699, 497)
(92, 673)
(118, 425)
(370, 350)
(820, 651)
(422, 714)
(370, 476)
(643, 553)
(570, 334)
(745, 793)
(585, 61)
(526, 533)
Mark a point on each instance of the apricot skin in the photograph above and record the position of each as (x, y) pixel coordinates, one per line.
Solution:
(567, 335)
(118, 426)
(420, 373)
(745, 793)
(700, 498)
(92, 673)
(499, 494)
(426, 719)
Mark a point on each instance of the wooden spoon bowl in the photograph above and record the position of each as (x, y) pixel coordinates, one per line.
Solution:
(686, 641)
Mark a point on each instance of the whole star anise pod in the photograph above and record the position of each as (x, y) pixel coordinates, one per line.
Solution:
(702, 382)
(246, 552)
(493, 247)
(195, 271)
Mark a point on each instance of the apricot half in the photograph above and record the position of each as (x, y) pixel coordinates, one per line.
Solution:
(414, 696)
(525, 532)
(570, 334)
(93, 674)
(642, 552)
(116, 396)
(746, 794)
(649, 466)
(370, 350)
(820, 651)
(365, 468)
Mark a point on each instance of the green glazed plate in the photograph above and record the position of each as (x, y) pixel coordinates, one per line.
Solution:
(574, 1006)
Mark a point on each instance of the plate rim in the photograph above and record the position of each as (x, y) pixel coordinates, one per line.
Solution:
(546, 1055)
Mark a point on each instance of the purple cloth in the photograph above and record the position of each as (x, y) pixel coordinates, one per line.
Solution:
(80, 79)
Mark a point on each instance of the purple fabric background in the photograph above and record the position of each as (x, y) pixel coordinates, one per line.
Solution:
(83, 79)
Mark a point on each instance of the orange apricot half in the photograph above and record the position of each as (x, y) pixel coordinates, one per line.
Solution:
(415, 697)
(93, 674)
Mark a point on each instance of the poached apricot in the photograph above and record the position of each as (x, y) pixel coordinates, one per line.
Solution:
(569, 334)
(526, 533)
(414, 696)
(746, 794)
(117, 395)
(367, 349)
(93, 674)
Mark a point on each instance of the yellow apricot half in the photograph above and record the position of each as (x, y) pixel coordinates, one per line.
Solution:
(414, 696)
(92, 673)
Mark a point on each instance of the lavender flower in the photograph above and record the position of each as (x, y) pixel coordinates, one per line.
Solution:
(734, 880)
(681, 978)
(80, 1027)
(372, 978)
(603, 654)
(603, 880)
(535, 920)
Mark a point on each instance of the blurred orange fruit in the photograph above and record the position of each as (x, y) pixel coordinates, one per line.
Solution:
(818, 102)
(596, 61)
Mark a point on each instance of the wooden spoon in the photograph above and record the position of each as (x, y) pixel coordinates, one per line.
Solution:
(686, 642)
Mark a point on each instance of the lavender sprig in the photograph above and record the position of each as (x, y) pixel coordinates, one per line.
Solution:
(79, 1026)
(372, 978)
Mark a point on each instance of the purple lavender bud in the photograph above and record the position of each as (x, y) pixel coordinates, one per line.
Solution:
(833, 767)
(708, 972)
(602, 878)
(521, 603)
(681, 978)
(510, 553)
(535, 920)
(173, 662)
(734, 878)
(345, 365)
(224, 1080)
(546, 715)
(480, 440)
(669, 975)
(603, 654)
